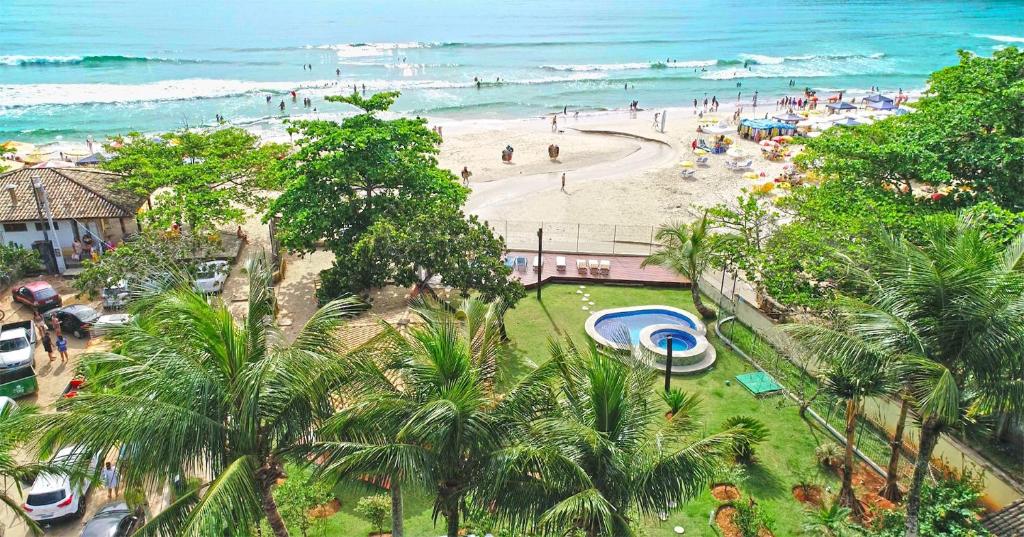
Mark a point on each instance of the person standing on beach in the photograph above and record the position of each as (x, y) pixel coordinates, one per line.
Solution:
(62, 348)
(554, 123)
(563, 181)
(48, 346)
(282, 105)
(110, 479)
(466, 174)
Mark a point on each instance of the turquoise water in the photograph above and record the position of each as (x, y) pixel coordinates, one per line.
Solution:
(74, 69)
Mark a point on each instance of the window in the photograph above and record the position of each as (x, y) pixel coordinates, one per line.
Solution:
(14, 228)
(45, 225)
(45, 498)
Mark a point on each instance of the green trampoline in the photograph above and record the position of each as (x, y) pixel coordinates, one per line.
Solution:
(759, 383)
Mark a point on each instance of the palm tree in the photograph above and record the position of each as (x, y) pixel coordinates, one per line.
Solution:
(425, 410)
(951, 310)
(891, 490)
(831, 521)
(686, 249)
(200, 393)
(604, 456)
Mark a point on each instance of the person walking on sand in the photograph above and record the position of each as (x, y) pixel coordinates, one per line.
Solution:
(563, 181)
(466, 174)
(554, 123)
(48, 346)
(62, 348)
(110, 479)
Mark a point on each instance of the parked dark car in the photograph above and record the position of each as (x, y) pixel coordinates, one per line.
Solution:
(114, 520)
(76, 319)
(39, 296)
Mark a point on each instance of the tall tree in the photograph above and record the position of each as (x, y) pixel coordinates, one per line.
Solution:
(346, 177)
(197, 178)
(427, 411)
(201, 393)
(686, 249)
(951, 310)
(603, 456)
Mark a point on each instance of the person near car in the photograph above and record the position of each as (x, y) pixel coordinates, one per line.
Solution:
(48, 346)
(62, 348)
(110, 479)
(37, 319)
(55, 325)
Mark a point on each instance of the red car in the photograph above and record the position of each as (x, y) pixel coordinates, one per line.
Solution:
(39, 296)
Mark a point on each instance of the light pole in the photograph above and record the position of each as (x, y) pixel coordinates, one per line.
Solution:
(540, 257)
(43, 206)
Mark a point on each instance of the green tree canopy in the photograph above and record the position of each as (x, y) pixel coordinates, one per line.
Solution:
(197, 178)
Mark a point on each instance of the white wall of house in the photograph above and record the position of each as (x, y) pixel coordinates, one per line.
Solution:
(64, 234)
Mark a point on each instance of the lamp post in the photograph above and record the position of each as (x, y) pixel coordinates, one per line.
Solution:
(668, 365)
(540, 257)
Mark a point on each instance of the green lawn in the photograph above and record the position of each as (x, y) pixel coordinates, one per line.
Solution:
(788, 451)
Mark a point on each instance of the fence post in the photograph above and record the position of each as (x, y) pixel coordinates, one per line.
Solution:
(615, 236)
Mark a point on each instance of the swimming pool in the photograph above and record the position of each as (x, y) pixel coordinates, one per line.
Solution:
(620, 327)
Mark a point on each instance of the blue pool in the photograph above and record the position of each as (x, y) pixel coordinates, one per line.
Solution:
(681, 341)
(618, 326)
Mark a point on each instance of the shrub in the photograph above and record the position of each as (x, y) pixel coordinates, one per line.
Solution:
(732, 474)
(829, 455)
(949, 507)
(16, 261)
(376, 509)
(751, 519)
(747, 433)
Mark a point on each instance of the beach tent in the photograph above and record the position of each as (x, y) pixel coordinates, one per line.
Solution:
(848, 122)
(717, 129)
(789, 117)
(841, 105)
(877, 98)
(882, 105)
(761, 129)
(91, 160)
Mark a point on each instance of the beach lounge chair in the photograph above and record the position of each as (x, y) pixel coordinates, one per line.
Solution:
(745, 165)
(701, 161)
(594, 266)
(521, 263)
(606, 266)
(688, 173)
(536, 264)
(581, 266)
(560, 263)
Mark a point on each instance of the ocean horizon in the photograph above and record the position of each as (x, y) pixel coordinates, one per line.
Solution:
(69, 71)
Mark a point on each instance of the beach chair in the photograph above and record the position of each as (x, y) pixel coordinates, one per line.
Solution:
(688, 173)
(594, 266)
(521, 263)
(560, 263)
(745, 165)
(536, 264)
(701, 161)
(581, 266)
(606, 266)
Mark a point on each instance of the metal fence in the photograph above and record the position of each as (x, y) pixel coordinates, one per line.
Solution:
(625, 239)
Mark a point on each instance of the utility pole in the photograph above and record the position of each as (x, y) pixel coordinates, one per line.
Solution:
(540, 257)
(43, 206)
(668, 365)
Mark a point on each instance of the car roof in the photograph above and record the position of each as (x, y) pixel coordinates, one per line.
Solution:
(78, 308)
(46, 482)
(13, 333)
(37, 285)
(106, 520)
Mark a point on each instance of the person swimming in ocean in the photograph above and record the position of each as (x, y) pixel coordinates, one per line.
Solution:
(282, 105)
(268, 99)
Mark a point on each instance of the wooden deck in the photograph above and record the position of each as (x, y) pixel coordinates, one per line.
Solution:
(625, 269)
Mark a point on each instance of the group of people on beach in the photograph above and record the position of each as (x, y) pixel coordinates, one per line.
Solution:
(58, 341)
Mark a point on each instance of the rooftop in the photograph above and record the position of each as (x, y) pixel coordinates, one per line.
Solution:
(73, 193)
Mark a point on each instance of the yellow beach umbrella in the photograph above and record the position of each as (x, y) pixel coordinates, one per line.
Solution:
(687, 164)
(700, 152)
(750, 175)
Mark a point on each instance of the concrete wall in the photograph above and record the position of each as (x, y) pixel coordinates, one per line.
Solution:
(1000, 488)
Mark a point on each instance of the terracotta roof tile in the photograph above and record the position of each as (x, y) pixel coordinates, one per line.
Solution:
(1006, 523)
(73, 193)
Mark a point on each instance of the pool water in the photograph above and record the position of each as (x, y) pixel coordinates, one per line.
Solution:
(618, 326)
(681, 341)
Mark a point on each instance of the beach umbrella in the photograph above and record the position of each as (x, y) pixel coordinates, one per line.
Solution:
(750, 175)
(700, 152)
(718, 129)
(736, 152)
(848, 122)
(788, 117)
(687, 163)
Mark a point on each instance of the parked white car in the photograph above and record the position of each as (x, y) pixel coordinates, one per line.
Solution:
(108, 322)
(55, 496)
(211, 275)
(17, 345)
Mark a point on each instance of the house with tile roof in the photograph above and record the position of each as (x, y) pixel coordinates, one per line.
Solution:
(82, 202)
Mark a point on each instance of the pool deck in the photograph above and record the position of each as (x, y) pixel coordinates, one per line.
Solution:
(625, 270)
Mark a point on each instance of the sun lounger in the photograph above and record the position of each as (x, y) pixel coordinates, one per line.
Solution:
(606, 266)
(581, 266)
(701, 161)
(536, 264)
(594, 266)
(560, 264)
(687, 173)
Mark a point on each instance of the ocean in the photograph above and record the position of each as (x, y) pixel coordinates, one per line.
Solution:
(72, 70)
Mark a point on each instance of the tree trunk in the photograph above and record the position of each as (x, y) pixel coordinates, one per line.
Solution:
(274, 519)
(930, 431)
(397, 510)
(453, 522)
(698, 302)
(846, 496)
(891, 491)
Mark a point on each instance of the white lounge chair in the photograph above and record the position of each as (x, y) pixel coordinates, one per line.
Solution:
(688, 173)
(536, 263)
(606, 266)
(560, 263)
(581, 266)
(701, 161)
(594, 266)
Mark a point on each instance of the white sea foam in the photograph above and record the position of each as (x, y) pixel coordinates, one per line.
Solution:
(629, 66)
(358, 50)
(804, 66)
(1002, 38)
(16, 59)
(23, 95)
